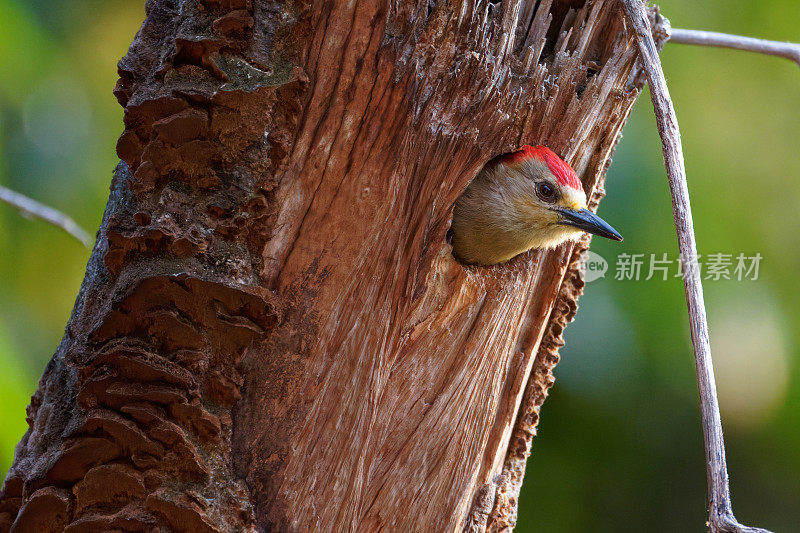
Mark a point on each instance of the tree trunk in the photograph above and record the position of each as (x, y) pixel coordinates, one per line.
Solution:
(272, 333)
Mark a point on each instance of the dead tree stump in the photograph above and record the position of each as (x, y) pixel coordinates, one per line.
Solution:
(272, 333)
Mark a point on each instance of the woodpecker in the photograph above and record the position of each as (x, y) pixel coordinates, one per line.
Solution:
(521, 200)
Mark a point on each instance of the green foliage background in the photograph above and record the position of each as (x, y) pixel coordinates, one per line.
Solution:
(619, 446)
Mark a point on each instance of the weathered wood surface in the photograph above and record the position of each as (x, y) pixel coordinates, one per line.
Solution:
(272, 333)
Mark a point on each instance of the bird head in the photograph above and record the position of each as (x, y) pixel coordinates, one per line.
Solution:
(522, 200)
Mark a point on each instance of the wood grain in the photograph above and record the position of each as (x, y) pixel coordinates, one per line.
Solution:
(273, 333)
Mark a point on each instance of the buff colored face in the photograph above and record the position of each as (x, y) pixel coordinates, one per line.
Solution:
(540, 202)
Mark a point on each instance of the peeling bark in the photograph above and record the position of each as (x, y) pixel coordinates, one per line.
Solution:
(272, 333)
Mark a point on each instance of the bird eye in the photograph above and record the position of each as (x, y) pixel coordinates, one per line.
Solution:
(546, 192)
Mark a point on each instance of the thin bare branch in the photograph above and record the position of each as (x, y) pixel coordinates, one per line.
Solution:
(790, 51)
(721, 518)
(31, 207)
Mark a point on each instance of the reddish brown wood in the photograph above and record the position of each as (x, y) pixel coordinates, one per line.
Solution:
(273, 333)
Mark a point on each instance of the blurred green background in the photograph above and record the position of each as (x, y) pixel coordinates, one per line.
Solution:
(620, 444)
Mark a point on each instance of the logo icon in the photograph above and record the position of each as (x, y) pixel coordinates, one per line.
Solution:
(595, 267)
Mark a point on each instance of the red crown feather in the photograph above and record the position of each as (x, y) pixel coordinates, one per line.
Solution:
(562, 171)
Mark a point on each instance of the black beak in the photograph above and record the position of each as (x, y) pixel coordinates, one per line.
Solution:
(587, 221)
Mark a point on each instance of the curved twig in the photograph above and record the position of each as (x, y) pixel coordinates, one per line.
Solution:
(721, 518)
(31, 207)
(790, 51)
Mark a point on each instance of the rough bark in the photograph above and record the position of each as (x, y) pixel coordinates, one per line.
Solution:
(272, 333)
